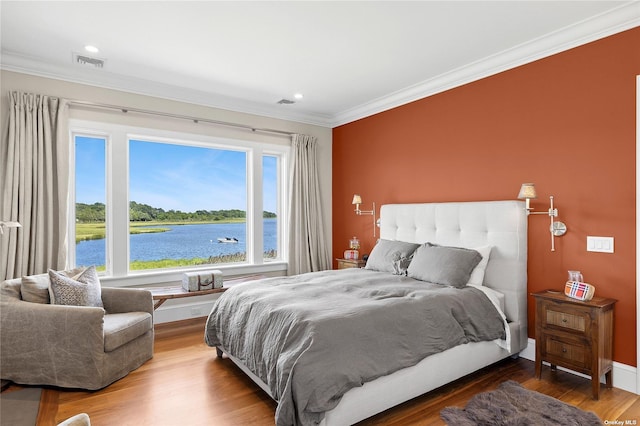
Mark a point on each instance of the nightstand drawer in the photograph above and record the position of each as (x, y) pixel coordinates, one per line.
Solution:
(573, 353)
(350, 263)
(566, 320)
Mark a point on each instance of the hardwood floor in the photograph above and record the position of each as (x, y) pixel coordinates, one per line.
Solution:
(186, 384)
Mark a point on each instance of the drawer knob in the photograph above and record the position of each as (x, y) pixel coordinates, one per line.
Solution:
(564, 350)
(564, 320)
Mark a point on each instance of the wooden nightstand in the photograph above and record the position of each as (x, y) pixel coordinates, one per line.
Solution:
(575, 335)
(349, 263)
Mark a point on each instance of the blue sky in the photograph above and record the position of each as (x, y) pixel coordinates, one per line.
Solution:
(177, 177)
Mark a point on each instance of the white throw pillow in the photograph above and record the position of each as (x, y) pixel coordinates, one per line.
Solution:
(80, 290)
(477, 275)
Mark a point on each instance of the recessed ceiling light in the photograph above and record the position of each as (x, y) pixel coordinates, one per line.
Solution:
(90, 48)
(298, 96)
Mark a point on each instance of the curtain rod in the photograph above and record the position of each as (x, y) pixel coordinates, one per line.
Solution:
(178, 116)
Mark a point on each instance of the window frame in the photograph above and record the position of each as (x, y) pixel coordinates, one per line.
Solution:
(117, 138)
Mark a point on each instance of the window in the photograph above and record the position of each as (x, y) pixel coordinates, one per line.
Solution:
(270, 185)
(152, 200)
(89, 226)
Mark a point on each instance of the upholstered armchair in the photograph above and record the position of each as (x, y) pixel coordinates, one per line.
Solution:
(73, 346)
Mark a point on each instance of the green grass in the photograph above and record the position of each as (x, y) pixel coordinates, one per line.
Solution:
(139, 265)
(97, 230)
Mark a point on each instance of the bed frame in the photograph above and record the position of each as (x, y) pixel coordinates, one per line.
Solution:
(501, 224)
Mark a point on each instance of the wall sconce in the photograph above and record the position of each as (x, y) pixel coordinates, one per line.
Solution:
(4, 225)
(557, 228)
(357, 200)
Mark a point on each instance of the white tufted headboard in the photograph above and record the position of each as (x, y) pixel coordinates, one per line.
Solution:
(500, 224)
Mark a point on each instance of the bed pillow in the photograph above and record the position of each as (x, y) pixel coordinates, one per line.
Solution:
(391, 256)
(82, 289)
(443, 265)
(477, 275)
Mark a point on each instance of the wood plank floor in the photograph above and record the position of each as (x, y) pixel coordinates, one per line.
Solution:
(185, 384)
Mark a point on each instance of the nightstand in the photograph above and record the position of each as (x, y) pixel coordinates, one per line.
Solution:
(349, 263)
(575, 335)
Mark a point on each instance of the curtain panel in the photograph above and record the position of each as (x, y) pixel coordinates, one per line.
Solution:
(34, 183)
(308, 248)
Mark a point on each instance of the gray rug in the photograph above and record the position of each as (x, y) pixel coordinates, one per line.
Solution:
(511, 404)
(19, 408)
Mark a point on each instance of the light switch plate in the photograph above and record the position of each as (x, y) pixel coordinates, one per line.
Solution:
(600, 244)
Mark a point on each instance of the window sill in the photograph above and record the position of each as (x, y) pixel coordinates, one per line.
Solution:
(174, 276)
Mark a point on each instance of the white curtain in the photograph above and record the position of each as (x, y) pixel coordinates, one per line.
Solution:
(34, 184)
(308, 249)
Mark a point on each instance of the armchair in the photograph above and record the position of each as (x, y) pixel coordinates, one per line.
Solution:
(74, 346)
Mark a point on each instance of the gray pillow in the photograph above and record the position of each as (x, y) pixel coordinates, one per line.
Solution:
(443, 265)
(35, 288)
(80, 290)
(391, 256)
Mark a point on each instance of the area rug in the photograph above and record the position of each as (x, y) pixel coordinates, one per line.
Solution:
(511, 404)
(20, 407)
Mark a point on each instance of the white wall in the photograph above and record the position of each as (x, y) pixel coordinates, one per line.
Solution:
(12, 81)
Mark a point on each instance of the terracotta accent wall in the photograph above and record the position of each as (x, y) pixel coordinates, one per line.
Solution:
(566, 123)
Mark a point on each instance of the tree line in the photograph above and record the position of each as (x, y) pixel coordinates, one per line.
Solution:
(139, 212)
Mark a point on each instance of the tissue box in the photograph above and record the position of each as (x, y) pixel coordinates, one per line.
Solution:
(351, 254)
(579, 290)
(202, 280)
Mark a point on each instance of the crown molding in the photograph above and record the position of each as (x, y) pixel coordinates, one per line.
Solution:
(17, 62)
(611, 22)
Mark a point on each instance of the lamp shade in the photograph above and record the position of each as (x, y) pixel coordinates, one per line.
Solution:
(356, 199)
(527, 191)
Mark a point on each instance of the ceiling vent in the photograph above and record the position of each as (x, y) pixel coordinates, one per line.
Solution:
(88, 61)
(286, 102)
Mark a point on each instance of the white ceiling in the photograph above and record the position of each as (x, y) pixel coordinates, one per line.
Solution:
(349, 59)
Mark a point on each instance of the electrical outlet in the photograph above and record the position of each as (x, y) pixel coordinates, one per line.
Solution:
(600, 244)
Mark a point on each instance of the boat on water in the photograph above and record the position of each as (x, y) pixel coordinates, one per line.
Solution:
(228, 240)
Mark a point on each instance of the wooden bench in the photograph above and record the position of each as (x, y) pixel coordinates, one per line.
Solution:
(162, 294)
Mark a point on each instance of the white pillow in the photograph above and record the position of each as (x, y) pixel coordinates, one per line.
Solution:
(477, 275)
(82, 289)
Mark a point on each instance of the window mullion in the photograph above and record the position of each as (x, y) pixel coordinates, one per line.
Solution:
(255, 211)
(118, 213)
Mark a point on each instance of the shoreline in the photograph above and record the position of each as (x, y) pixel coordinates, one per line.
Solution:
(139, 265)
(88, 231)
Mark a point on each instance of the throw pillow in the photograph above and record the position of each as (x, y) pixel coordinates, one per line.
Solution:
(386, 252)
(80, 290)
(443, 265)
(35, 288)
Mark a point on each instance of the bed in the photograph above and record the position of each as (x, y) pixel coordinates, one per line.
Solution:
(291, 378)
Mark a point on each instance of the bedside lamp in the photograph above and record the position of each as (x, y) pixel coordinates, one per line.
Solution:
(357, 200)
(557, 228)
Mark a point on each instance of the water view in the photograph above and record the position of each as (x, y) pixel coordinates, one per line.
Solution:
(181, 242)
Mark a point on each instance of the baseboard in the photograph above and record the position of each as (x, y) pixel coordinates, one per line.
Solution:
(624, 376)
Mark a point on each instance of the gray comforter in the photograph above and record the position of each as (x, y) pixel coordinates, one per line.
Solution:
(312, 337)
